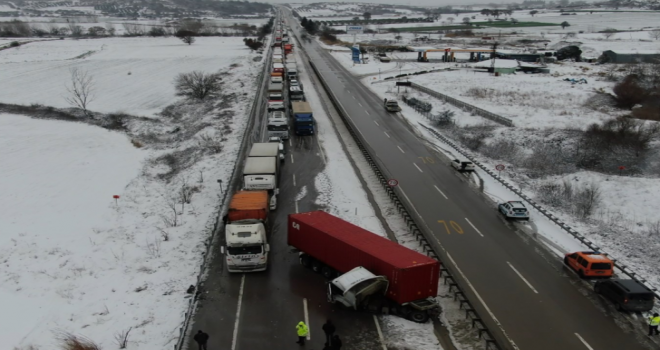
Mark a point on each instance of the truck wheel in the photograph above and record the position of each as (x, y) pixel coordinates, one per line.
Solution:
(305, 260)
(419, 316)
(317, 266)
(328, 272)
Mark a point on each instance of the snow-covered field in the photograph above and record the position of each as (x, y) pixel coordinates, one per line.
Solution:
(133, 75)
(75, 260)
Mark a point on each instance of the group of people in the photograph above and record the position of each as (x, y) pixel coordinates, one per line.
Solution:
(332, 341)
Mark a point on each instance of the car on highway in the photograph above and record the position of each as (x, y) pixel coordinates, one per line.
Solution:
(462, 165)
(590, 264)
(627, 295)
(514, 210)
(294, 82)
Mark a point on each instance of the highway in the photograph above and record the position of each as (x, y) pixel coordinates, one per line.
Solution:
(259, 311)
(525, 295)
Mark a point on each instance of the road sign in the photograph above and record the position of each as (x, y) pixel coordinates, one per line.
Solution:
(354, 29)
(499, 167)
(393, 182)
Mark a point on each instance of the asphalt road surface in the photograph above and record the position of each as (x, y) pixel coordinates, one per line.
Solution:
(273, 302)
(525, 295)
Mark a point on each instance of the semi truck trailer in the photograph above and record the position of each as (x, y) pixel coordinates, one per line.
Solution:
(367, 271)
(245, 232)
(303, 118)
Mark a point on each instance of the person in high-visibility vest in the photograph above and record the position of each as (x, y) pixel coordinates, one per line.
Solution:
(302, 330)
(654, 321)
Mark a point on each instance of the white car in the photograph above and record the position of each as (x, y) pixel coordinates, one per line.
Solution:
(514, 210)
(462, 165)
(294, 82)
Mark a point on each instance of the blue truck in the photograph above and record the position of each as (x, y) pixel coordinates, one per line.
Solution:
(303, 118)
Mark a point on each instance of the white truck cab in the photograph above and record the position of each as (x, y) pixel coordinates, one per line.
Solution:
(351, 288)
(247, 248)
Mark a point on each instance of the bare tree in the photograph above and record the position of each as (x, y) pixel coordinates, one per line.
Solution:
(450, 20)
(76, 30)
(110, 29)
(197, 85)
(609, 32)
(81, 91)
(186, 36)
(655, 34)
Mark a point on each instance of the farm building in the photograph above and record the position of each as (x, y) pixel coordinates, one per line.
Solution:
(610, 56)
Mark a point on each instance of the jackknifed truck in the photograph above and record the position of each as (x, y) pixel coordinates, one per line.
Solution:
(366, 271)
(246, 233)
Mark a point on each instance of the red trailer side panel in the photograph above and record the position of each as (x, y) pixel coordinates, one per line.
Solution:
(344, 246)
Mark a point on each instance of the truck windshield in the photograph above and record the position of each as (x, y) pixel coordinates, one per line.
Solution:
(304, 123)
(251, 249)
(278, 127)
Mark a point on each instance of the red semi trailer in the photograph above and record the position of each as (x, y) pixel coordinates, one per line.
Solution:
(367, 271)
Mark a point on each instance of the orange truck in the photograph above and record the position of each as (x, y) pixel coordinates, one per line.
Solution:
(288, 48)
(246, 241)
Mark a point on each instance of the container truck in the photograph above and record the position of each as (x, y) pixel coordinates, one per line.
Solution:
(262, 173)
(288, 48)
(275, 97)
(245, 232)
(278, 67)
(296, 94)
(367, 271)
(266, 149)
(278, 125)
(303, 118)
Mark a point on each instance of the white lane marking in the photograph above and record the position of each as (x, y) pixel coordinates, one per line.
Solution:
(291, 158)
(380, 333)
(481, 300)
(386, 134)
(584, 342)
(376, 123)
(366, 111)
(474, 227)
(290, 143)
(353, 96)
(442, 193)
(400, 149)
(523, 278)
(296, 206)
(360, 104)
(294, 179)
(238, 314)
(420, 170)
(309, 332)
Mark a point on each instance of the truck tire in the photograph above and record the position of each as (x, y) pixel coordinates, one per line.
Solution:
(317, 266)
(328, 272)
(305, 260)
(418, 316)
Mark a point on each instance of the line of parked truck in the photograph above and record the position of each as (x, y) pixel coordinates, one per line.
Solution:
(285, 72)
(365, 271)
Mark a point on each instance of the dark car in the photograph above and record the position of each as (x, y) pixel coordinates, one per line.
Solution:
(627, 295)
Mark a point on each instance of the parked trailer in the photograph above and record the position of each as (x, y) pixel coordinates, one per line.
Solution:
(245, 232)
(303, 118)
(332, 246)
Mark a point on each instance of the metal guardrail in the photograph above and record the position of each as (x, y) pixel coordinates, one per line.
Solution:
(466, 106)
(622, 267)
(232, 186)
(420, 235)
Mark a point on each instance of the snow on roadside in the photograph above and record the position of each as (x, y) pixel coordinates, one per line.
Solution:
(76, 261)
(341, 190)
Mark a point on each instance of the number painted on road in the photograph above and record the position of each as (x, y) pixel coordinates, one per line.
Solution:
(428, 160)
(453, 225)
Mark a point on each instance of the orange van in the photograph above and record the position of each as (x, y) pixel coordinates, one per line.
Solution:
(590, 264)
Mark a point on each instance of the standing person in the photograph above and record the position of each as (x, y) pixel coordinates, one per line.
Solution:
(336, 343)
(654, 321)
(201, 338)
(329, 330)
(302, 330)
